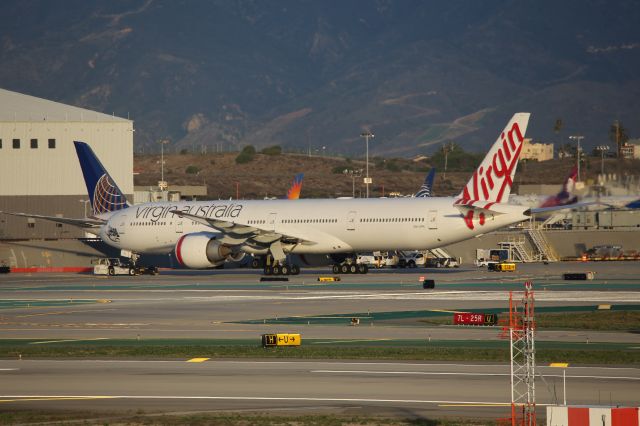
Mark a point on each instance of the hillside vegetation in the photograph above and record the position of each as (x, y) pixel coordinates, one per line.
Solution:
(271, 175)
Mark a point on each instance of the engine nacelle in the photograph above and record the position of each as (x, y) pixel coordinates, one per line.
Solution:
(200, 251)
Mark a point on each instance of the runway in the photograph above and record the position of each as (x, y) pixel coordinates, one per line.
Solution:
(407, 389)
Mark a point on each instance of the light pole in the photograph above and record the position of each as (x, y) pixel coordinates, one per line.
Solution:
(367, 135)
(578, 150)
(602, 149)
(353, 174)
(162, 184)
(446, 149)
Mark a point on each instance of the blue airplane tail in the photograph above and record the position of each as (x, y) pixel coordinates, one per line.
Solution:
(104, 194)
(633, 205)
(426, 190)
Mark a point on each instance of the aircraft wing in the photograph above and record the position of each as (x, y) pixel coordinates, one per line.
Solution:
(249, 235)
(82, 223)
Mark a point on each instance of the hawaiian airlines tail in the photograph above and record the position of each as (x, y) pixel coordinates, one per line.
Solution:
(565, 196)
(296, 186)
(426, 190)
(104, 194)
(491, 182)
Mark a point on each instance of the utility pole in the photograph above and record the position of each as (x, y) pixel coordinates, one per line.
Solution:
(578, 152)
(617, 125)
(446, 149)
(367, 180)
(162, 185)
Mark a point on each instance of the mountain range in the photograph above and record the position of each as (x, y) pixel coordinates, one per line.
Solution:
(312, 75)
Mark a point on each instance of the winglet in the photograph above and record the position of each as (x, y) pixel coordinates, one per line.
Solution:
(104, 194)
(491, 182)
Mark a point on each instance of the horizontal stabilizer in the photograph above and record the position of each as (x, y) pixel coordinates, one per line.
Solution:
(535, 210)
(82, 223)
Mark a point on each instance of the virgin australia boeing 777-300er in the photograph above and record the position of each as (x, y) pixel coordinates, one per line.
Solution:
(203, 234)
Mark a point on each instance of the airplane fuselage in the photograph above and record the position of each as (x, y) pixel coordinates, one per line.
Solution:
(327, 225)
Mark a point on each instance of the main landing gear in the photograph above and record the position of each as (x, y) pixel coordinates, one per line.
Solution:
(284, 269)
(350, 268)
(274, 267)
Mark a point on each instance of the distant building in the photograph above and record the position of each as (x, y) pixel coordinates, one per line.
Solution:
(536, 151)
(631, 149)
(39, 169)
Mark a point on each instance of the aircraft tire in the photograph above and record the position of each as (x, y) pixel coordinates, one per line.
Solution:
(111, 271)
(295, 270)
(412, 264)
(276, 270)
(363, 269)
(255, 263)
(353, 268)
(344, 269)
(285, 270)
(132, 271)
(336, 269)
(268, 270)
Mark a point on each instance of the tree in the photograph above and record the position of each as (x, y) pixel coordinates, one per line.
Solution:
(192, 170)
(618, 135)
(558, 125)
(246, 155)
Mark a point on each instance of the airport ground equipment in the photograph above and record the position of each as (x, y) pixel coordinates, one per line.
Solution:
(520, 330)
(112, 266)
(4, 269)
(502, 267)
(281, 339)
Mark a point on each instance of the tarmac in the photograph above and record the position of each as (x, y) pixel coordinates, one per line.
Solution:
(234, 304)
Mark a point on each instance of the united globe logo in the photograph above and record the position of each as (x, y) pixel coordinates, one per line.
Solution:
(107, 196)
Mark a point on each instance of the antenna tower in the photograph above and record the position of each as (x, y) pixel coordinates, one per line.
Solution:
(521, 334)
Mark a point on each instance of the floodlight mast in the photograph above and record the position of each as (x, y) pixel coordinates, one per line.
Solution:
(367, 135)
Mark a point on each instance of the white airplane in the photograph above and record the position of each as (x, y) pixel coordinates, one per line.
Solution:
(203, 234)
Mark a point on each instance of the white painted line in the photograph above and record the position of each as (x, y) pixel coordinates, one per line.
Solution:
(349, 341)
(260, 398)
(68, 340)
(445, 373)
(420, 373)
(9, 369)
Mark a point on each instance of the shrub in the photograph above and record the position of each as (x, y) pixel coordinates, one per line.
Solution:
(272, 150)
(192, 170)
(184, 151)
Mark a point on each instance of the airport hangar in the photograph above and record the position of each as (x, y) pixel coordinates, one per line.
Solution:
(39, 169)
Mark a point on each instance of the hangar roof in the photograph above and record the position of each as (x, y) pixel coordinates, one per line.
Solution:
(18, 107)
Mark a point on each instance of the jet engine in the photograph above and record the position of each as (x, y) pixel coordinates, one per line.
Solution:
(201, 250)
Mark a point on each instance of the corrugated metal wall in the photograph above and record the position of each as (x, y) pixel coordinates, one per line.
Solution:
(45, 171)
